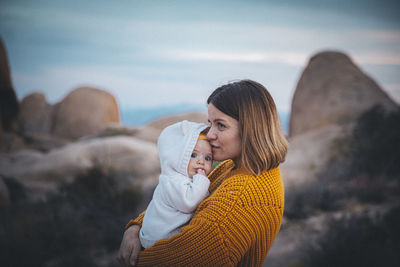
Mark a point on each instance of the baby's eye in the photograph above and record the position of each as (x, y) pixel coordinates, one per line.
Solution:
(208, 158)
(193, 155)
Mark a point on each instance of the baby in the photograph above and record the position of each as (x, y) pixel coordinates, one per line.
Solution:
(186, 160)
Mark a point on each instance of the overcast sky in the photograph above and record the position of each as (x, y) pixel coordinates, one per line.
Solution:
(152, 53)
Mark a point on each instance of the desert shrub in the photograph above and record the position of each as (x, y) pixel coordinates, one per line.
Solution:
(363, 166)
(310, 199)
(375, 153)
(376, 144)
(72, 228)
(359, 241)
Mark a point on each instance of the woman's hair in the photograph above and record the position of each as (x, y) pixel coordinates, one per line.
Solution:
(264, 146)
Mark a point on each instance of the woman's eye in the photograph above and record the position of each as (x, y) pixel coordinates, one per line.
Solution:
(193, 155)
(208, 158)
(220, 125)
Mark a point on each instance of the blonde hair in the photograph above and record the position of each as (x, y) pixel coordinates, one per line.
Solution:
(264, 146)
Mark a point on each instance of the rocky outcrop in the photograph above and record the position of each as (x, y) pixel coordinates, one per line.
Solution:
(310, 153)
(84, 111)
(4, 194)
(152, 131)
(333, 90)
(8, 99)
(42, 172)
(35, 115)
(168, 120)
(331, 95)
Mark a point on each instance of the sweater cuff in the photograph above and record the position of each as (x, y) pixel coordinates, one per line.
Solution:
(201, 180)
(137, 221)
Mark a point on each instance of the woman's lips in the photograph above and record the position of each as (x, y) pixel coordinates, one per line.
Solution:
(214, 147)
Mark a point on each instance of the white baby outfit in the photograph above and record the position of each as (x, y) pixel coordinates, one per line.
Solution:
(176, 196)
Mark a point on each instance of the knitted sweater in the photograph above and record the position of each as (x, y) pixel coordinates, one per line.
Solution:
(234, 226)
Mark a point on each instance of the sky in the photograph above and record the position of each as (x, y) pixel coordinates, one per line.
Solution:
(164, 53)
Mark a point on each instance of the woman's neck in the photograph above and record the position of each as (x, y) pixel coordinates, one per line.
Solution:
(237, 162)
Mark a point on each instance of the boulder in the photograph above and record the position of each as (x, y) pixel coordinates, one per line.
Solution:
(168, 120)
(4, 194)
(152, 131)
(8, 99)
(114, 130)
(35, 115)
(84, 111)
(333, 90)
(123, 156)
(44, 142)
(309, 154)
(10, 141)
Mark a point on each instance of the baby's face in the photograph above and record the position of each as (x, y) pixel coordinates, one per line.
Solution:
(201, 159)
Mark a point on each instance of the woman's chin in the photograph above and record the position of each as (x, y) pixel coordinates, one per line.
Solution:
(218, 158)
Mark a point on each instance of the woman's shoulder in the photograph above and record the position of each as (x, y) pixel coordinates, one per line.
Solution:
(240, 190)
(267, 185)
(239, 178)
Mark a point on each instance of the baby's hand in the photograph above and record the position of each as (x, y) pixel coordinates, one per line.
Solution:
(201, 171)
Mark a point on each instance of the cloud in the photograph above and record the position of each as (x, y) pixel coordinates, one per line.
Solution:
(377, 59)
(129, 90)
(290, 58)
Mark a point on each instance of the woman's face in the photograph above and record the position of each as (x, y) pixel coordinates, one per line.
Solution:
(223, 135)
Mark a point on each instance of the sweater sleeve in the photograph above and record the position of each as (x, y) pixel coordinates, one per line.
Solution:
(236, 225)
(137, 221)
(205, 241)
(185, 194)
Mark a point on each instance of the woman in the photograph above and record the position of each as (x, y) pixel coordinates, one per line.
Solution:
(238, 222)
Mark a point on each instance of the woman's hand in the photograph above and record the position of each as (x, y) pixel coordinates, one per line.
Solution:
(130, 247)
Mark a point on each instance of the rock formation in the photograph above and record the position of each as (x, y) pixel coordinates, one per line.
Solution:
(152, 131)
(42, 172)
(168, 120)
(4, 194)
(8, 99)
(35, 115)
(83, 112)
(330, 96)
(333, 90)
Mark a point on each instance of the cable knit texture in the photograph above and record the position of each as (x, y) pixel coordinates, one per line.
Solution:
(234, 226)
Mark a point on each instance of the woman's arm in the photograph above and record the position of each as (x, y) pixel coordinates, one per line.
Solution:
(130, 247)
(200, 243)
(128, 252)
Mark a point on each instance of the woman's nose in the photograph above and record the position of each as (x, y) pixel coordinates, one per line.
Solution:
(211, 134)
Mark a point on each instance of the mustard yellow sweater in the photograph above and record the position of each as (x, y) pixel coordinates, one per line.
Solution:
(234, 226)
